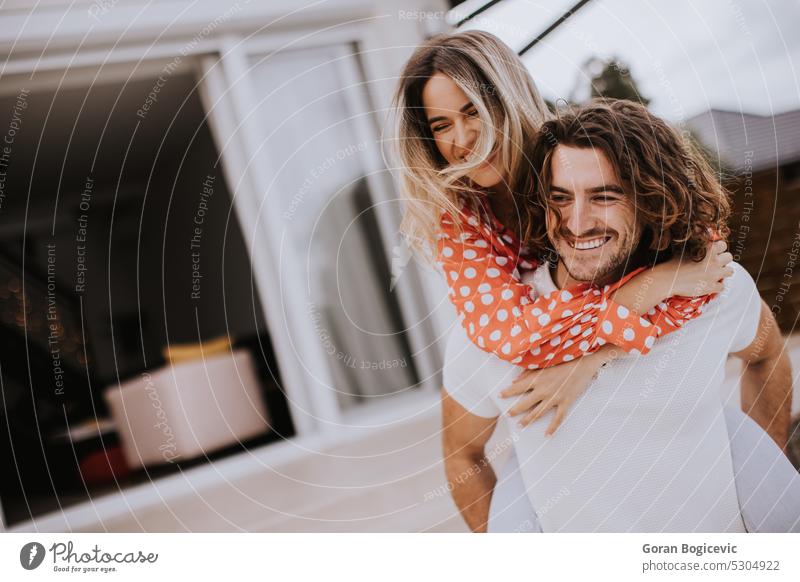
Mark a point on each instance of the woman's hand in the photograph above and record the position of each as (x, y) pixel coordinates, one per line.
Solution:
(555, 387)
(676, 277)
(688, 278)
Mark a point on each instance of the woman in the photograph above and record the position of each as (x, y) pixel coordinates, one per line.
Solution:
(468, 115)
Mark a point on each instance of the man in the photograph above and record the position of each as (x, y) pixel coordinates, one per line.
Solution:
(645, 447)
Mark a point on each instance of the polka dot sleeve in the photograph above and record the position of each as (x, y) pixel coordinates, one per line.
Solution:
(503, 316)
(666, 317)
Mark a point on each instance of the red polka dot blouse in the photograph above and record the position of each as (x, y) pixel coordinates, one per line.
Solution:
(503, 316)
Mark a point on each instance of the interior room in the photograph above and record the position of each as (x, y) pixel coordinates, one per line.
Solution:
(117, 240)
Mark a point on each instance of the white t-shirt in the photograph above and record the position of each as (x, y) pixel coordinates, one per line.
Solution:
(645, 447)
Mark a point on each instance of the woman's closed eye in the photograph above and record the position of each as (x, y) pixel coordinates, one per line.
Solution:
(440, 127)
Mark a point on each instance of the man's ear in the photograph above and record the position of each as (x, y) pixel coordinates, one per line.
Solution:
(661, 239)
(664, 241)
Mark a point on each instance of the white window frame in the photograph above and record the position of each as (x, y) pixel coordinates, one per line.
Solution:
(411, 298)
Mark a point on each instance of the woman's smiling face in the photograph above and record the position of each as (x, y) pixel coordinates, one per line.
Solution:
(455, 126)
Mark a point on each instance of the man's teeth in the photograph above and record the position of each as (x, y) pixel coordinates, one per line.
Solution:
(590, 244)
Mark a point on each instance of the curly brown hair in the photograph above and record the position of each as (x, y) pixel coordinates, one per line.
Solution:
(678, 199)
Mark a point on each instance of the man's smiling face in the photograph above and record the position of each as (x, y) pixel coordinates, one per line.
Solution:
(598, 230)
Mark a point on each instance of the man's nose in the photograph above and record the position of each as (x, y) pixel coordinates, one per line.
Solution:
(578, 219)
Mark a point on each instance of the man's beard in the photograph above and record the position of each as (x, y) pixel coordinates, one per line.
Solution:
(609, 269)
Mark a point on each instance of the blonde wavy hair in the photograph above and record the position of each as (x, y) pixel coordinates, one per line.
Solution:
(511, 112)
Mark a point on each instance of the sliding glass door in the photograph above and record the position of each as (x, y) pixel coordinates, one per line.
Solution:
(328, 194)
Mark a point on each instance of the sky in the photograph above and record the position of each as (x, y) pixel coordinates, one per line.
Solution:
(687, 56)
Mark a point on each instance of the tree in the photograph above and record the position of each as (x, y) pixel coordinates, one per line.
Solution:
(613, 79)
